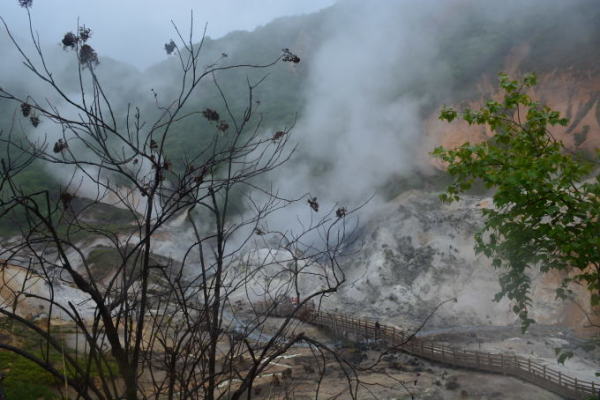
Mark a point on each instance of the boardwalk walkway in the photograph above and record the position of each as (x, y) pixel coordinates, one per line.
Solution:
(519, 367)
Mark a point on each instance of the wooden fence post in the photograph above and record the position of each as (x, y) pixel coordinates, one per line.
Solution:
(529, 365)
(560, 378)
(576, 386)
(544, 372)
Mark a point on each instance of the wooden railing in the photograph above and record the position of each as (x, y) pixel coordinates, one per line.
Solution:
(519, 367)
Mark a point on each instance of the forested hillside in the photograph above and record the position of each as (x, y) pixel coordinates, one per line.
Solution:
(473, 42)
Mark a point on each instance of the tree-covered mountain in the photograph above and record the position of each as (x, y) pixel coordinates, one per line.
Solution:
(472, 41)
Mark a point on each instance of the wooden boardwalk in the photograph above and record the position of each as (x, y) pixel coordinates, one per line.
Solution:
(519, 367)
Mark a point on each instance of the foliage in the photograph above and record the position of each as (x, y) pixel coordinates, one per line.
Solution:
(546, 199)
(26, 380)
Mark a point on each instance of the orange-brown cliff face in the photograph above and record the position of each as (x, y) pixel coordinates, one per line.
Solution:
(575, 312)
(575, 93)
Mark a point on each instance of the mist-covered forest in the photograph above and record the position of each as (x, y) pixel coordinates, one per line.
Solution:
(465, 42)
(327, 199)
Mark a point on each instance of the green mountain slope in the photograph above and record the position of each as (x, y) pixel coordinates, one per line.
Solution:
(474, 39)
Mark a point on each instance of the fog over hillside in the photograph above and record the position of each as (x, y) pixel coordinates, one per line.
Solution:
(370, 73)
(134, 31)
(382, 67)
(177, 188)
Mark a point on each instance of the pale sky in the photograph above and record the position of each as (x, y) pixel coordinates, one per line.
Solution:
(117, 24)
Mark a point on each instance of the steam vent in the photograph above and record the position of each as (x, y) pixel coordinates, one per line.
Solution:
(325, 199)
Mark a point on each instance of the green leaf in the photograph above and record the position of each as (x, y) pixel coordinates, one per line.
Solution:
(545, 198)
(530, 80)
(448, 114)
(564, 356)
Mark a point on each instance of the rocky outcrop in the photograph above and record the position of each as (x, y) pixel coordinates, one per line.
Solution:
(23, 291)
(418, 252)
(574, 94)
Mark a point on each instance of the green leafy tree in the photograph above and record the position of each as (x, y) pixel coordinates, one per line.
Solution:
(546, 198)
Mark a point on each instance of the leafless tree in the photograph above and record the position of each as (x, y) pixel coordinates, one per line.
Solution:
(153, 327)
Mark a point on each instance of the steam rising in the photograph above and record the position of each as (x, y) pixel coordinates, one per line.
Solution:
(361, 125)
(381, 69)
(359, 122)
(378, 69)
